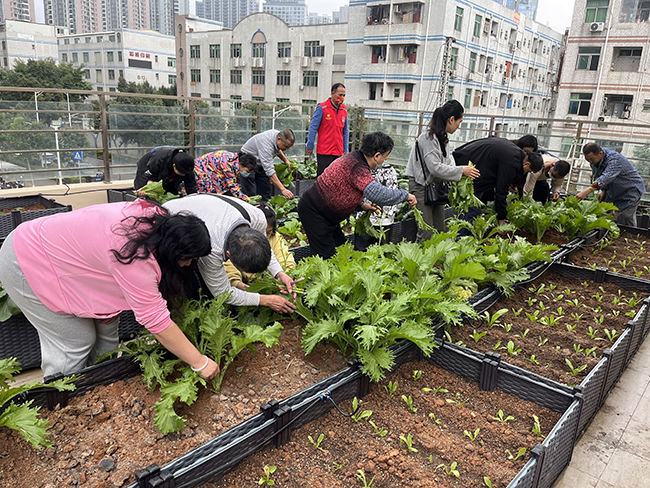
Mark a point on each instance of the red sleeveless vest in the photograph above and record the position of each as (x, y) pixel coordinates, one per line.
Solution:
(330, 131)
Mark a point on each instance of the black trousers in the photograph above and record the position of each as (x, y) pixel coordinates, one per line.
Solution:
(323, 161)
(541, 191)
(256, 184)
(324, 236)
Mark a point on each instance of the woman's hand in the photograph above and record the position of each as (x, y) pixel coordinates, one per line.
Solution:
(470, 172)
(370, 207)
(412, 200)
(210, 371)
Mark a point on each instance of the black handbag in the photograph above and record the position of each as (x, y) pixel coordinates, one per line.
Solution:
(434, 193)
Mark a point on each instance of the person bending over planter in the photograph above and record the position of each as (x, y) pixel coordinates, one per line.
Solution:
(279, 247)
(439, 164)
(71, 274)
(537, 186)
(237, 232)
(502, 165)
(219, 172)
(339, 192)
(171, 165)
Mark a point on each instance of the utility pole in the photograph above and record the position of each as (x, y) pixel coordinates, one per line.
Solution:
(444, 72)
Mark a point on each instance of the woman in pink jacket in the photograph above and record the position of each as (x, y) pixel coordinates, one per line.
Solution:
(71, 274)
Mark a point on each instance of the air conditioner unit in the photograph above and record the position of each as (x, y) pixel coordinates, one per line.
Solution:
(318, 60)
(504, 80)
(533, 86)
(286, 60)
(597, 27)
(302, 87)
(235, 62)
(242, 63)
(305, 61)
(452, 74)
(470, 76)
(258, 62)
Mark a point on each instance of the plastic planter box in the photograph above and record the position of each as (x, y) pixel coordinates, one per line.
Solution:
(125, 195)
(9, 221)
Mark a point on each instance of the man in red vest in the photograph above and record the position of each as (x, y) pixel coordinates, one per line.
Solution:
(330, 121)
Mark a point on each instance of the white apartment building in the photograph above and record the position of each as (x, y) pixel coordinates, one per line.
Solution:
(80, 16)
(228, 12)
(293, 12)
(341, 16)
(500, 62)
(262, 58)
(23, 41)
(316, 18)
(138, 56)
(605, 76)
(17, 10)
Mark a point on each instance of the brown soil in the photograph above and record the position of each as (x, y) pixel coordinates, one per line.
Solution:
(113, 425)
(626, 255)
(550, 237)
(349, 446)
(550, 358)
(24, 209)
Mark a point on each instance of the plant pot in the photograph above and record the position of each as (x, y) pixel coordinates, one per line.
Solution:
(9, 221)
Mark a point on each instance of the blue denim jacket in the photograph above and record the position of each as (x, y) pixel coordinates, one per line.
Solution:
(622, 182)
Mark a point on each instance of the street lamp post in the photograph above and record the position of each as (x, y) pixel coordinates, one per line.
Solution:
(58, 154)
(278, 113)
(36, 95)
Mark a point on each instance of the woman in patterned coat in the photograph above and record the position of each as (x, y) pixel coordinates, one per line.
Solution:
(219, 172)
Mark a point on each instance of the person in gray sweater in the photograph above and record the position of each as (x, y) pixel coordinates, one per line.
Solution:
(438, 161)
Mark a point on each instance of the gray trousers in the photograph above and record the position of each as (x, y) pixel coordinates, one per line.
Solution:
(434, 215)
(628, 216)
(68, 343)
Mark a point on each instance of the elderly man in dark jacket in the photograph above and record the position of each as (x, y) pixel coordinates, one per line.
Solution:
(502, 164)
(171, 165)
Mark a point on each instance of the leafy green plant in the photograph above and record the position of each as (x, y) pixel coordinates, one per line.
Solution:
(570, 327)
(390, 388)
(520, 453)
(409, 403)
(591, 332)
(472, 435)
(361, 475)
(533, 360)
(439, 389)
(550, 320)
(537, 429)
(577, 316)
(461, 195)
(380, 431)
(23, 418)
(477, 335)
(512, 349)
(266, 478)
(493, 319)
(456, 400)
(530, 301)
(507, 327)
(408, 441)
(487, 482)
(523, 334)
(292, 228)
(432, 416)
(7, 306)
(496, 346)
(155, 191)
(533, 317)
(316, 443)
(542, 341)
(611, 334)
(451, 470)
(575, 371)
(417, 374)
(590, 351)
(599, 320)
(284, 209)
(577, 348)
(500, 417)
(359, 414)
(517, 312)
(575, 302)
(215, 334)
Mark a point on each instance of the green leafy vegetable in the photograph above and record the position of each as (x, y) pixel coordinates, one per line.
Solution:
(155, 191)
(7, 306)
(461, 194)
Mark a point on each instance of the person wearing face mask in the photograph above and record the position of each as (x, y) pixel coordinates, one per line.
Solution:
(330, 122)
(340, 190)
(433, 145)
(219, 172)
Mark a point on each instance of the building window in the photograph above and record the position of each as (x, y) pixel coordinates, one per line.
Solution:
(236, 104)
(450, 93)
(111, 74)
(171, 79)
(195, 52)
(596, 11)
(580, 103)
(314, 49)
(156, 59)
(195, 75)
(111, 38)
(258, 77)
(66, 41)
(76, 40)
(283, 100)
(235, 51)
(215, 50)
(86, 57)
(472, 62)
(98, 76)
(110, 56)
(215, 104)
(171, 62)
(112, 89)
(100, 38)
(284, 49)
(408, 92)
(87, 40)
(87, 74)
(454, 58)
(119, 55)
(458, 21)
(235, 77)
(258, 99)
(634, 11)
(284, 78)
(588, 58)
(64, 57)
(259, 49)
(478, 21)
(215, 76)
(98, 59)
(75, 57)
(310, 78)
(468, 97)
(121, 73)
(626, 59)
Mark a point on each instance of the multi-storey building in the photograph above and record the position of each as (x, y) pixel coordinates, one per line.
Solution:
(17, 10)
(138, 56)
(498, 62)
(341, 16)
(23, 41)
(293, 12)
(316, 18)
(606, 75)
(228, 12)
(79, 16)
(524, 7)
(123, 14)
(262, 58)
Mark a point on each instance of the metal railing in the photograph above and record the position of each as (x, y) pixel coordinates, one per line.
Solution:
(103, 137)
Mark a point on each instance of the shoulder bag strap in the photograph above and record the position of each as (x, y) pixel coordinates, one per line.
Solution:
(241, 209)
(418, 156)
